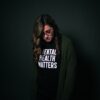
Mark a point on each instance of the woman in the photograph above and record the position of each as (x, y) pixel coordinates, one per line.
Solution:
(54, 61)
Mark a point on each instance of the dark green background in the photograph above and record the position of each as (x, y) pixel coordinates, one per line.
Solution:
(79, 20)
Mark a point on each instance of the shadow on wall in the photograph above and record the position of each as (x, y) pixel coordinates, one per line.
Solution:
(85, 74)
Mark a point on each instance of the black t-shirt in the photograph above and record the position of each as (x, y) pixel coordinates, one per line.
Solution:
(48, 69)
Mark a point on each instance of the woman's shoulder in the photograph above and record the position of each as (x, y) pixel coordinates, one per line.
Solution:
(66, 40)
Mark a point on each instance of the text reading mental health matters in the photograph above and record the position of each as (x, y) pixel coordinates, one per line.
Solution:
(48, 59)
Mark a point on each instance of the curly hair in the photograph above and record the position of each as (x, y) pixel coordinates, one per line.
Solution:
(37, 33)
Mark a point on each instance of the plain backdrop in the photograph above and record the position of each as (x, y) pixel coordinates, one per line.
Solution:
(79, 20)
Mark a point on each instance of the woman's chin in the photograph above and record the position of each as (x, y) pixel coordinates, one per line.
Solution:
(48, 40)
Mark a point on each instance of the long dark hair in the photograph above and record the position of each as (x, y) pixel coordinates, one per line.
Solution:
(39, 23)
